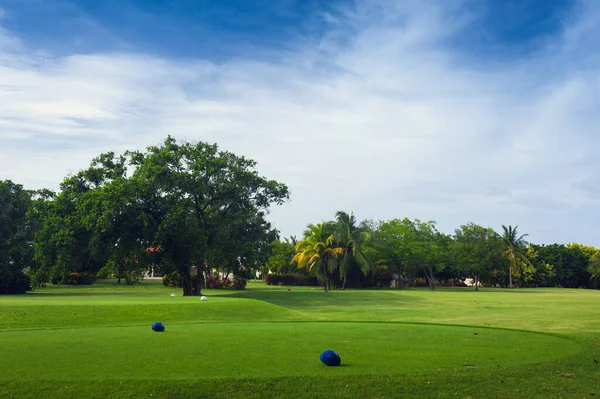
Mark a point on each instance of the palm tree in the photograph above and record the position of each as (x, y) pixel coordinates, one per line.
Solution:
(317, 250)
(514, 245)
(350, 240)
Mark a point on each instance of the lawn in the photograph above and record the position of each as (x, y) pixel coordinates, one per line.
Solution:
(265, 341)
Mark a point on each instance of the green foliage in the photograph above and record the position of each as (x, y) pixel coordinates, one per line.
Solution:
(568, 266)
(477, 252)
(333, 246)
(14, 282)
(515, 248)
(594, 267)
(172, 279)
(317, 251)
(281, 254)
(208, 208)
(16, 251)
(350, 239)
(173, 207)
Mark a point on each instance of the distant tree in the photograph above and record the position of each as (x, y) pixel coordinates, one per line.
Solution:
(594, 267)
(515, 248)
(587, 250)
(390, 245)
(427, 249)
(317, 251)
(281, 254)
(568, 265)
(350, 239)
(16, 250)
(477, 250)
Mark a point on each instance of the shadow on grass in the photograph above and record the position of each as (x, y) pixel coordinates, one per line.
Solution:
(315, 298)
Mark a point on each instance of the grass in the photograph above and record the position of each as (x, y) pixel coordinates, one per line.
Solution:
(265, 342)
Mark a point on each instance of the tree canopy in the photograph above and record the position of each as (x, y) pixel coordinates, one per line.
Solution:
(185, 207)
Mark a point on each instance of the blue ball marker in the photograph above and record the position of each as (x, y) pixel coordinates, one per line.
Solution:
(330, 358)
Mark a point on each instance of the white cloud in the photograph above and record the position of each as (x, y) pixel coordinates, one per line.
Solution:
(391, 123)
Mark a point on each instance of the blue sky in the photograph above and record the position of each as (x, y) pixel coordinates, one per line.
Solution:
(451, 110)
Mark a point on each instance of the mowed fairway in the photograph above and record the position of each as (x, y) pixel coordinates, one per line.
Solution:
(265, 342)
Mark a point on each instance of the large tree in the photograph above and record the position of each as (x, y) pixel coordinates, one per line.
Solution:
(515, 248)
(183, 206)
(205, 200)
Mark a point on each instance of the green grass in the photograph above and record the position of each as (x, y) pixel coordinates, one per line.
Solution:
(265, 342)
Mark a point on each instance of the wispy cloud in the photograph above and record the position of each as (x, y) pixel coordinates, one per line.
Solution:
(383, 116)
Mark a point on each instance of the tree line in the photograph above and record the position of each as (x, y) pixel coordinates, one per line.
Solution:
(190, 210)
(405, 252)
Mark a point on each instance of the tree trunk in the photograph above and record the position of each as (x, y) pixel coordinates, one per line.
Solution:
(198, 288)
(186, 282)
(345, 278)
(510, 275)
(430, 281)
(476, 282)
(399, 281)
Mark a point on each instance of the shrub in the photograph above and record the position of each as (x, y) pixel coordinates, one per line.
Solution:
(172, 280)
(14, 282)
(383, 279)
(214, 282)
(80, 279)
(239, 283)
(73, 278)
(291, 279)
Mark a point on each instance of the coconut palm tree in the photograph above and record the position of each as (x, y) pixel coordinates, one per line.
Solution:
(317, 250)
(350, 239)
(514, 249)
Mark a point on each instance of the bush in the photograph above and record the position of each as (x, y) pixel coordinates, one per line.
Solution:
(239, 283)
(216, 282)
(172, 280)
(291, 279)
(80, 279)
(383, 278)
(74, 278)
(14, 282)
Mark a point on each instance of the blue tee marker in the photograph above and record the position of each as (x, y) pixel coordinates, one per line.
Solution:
(158, 327)
(330, 358)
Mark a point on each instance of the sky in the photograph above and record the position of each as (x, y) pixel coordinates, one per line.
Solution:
(484, 111)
